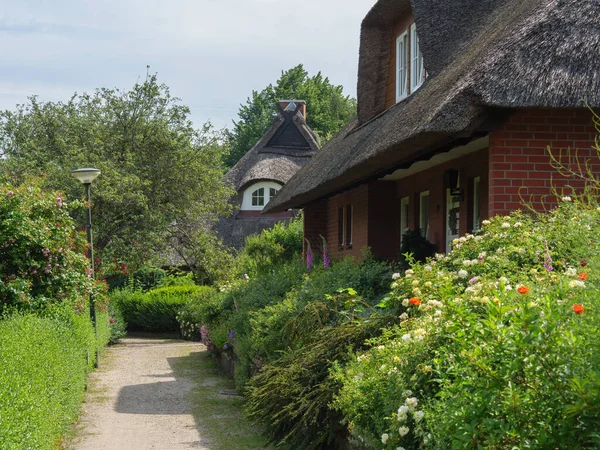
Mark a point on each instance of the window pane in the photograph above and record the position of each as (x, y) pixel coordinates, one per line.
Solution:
(272, 193)
(416, 72)
(258, 197)
(476, 218)
(402, 67)
(424, 214)
(349, 212)
(340, 227)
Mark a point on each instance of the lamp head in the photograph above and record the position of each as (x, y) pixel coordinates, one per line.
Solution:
(86, 176)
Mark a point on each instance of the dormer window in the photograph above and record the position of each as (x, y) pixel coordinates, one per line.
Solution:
(401, 66)
(258, 195)
(410, 72)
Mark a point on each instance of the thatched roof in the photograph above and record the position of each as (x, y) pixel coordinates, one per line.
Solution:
(481, 56)
(281, 152)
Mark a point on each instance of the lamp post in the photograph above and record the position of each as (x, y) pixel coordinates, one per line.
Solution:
(86, 177)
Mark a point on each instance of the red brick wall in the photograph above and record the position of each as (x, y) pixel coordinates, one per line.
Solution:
(384, 220)
(469, 167)
(520, 164)
(358, 198)
(315, 223)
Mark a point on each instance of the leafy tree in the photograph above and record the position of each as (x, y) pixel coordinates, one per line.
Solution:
(328, 110)
(157, 170)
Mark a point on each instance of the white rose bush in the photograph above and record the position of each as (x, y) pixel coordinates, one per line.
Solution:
(494, 345)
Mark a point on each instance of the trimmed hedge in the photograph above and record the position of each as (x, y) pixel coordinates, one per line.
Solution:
(44, 361)
(156, 310)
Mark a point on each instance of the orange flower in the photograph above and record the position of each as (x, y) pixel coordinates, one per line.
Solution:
(415, 301)
(578, 309)
(582, 276)
(523, 290)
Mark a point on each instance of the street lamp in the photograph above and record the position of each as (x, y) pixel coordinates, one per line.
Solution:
(86, 177)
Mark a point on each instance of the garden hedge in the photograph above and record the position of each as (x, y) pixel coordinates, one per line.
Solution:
(44, 361)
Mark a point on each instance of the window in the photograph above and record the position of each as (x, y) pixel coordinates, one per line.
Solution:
(476, 213)
(340, 228)
(417, 72)
(345, 226)
(424, 214)
(401, 66)
(348, 229)
(403, 217)
(258, 197)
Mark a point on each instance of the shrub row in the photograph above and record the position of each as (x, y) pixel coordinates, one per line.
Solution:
(157, 309)
(285, 325)
(490, 346)
(44, 361)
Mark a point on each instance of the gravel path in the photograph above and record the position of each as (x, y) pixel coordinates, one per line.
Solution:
(149, 394)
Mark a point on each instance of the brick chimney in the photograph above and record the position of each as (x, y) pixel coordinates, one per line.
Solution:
(291, 105)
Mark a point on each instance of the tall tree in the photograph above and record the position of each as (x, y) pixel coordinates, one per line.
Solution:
(328, 110)
(158, 171)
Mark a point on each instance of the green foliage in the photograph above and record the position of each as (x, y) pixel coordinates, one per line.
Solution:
(492, 348)
(157, 309)
(42, 257)
(159, 174)
(291, 395)
(328, 110)
(117, 324)
(43, 365)
(272, 247)
(415, 244)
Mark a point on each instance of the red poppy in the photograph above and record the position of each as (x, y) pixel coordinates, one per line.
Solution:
(523, 290)
(582, 276)
(415, 301)
(111, 320)
(578, 309)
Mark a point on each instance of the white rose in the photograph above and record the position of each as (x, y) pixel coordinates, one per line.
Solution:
(384, 438)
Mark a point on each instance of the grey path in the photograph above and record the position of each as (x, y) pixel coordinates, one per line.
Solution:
(138, 401)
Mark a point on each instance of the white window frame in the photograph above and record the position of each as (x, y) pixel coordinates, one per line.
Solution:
(416, 61)
(404, 205)
(402, 66)
(424, 226)
(476, 198)
(250, 190)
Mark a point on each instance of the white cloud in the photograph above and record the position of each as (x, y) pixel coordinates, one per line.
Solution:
(212, 53)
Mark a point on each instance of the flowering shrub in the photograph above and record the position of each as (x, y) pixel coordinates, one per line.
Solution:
(42, 255)
(492, 344)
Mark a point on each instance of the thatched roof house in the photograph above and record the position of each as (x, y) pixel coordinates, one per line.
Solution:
(259, 175)
(443, 80)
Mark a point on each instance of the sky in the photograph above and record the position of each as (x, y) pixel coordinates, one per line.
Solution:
(211, 53)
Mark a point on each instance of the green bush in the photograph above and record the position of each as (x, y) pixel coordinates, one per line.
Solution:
(43, 367)
(157, 309)
(494, 347)
(272, 247)
(42, 258)
(117, 324)
(292, 393)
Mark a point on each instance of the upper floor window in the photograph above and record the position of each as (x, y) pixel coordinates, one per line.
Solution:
(410, 72)
(417, 72)
(258, 195)
(401, 66)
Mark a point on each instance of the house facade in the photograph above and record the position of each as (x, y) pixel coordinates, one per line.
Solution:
(458, 103)
(264, 170)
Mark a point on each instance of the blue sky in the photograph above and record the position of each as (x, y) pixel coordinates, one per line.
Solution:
(211, 53)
